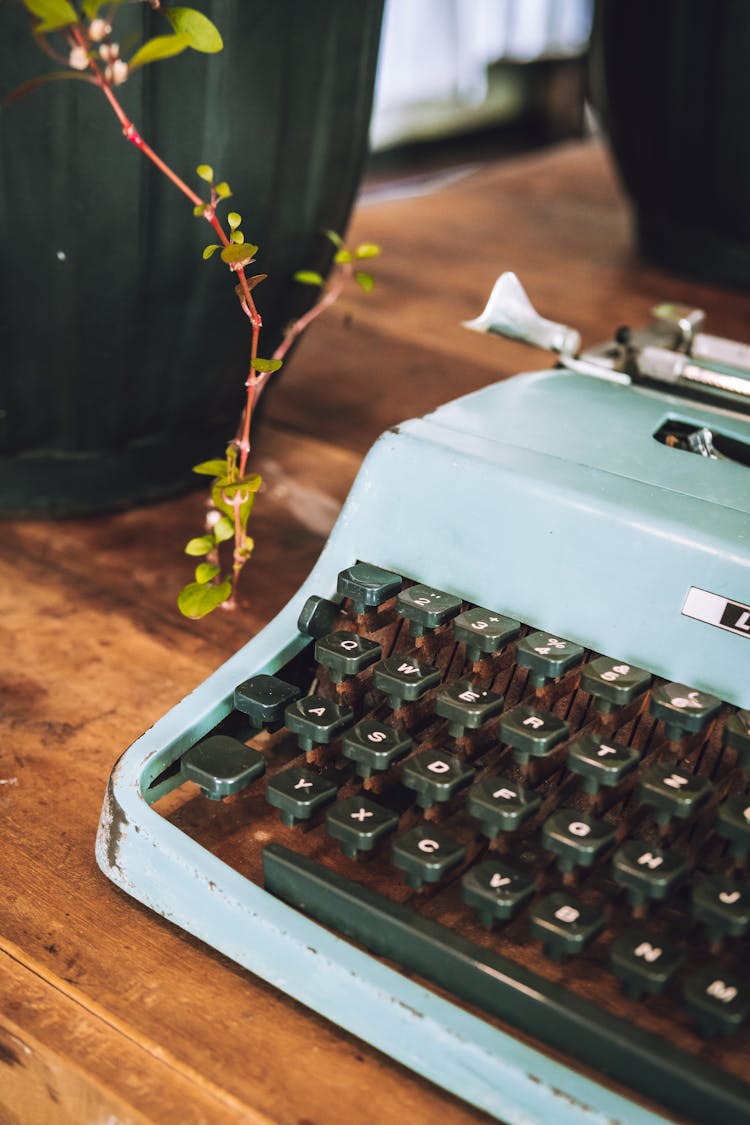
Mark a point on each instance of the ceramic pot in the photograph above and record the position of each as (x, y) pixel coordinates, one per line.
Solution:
(123, 352)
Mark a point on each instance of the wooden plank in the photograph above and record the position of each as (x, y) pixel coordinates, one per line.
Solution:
(94, 651)
(82, 678)
(62, 1063)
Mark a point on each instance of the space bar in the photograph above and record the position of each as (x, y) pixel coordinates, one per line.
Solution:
(498, 986)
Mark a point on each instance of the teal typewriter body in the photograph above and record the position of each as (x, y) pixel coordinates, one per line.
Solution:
(480, 793)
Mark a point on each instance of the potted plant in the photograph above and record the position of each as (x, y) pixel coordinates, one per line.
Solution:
(130, 366)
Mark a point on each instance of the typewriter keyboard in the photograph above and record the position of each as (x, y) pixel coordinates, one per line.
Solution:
(556, 838)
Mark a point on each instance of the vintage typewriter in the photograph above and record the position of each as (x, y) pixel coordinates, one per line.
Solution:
(480, 793)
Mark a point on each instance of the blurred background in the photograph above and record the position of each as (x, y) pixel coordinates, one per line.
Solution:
(459, 79)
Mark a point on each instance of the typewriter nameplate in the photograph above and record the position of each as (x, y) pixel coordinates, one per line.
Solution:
(717, 610)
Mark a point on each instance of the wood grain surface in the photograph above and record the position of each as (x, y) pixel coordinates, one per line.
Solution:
(107, 1012)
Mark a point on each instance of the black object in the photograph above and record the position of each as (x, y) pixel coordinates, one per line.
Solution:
(511, 992)
(125, 365)
(672, 86)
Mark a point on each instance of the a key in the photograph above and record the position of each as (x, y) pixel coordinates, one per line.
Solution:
(264, 700)
(722, 905)
(500, 805)
(600, 761)
(404, 678)
(647, 873)
(564, 925)
(496, 890)
(435, 776)
(346, 654)
(367, 586)
(426, 608)
(484, 632)
(682, 709)
(672, 792)
(733, 823)
(718, 1001)
(547, 657)
(466, 707)
(316, 720)
(359, 824)
(613, 683)
(644, 962)
(221, 765)
(317, 616)
(531, 732)
(298, 793)
(575, 838)
(374, 746)
(425, 854)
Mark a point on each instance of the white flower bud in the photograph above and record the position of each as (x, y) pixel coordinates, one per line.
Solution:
(98, 29)
(119, 72)
(78, 58)
(212, 518)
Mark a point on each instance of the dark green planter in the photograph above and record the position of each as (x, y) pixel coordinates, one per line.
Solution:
(671, 80)
(123, 353)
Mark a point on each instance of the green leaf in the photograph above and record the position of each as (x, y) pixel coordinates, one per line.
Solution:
(223, 529)
(223, 493)
(201, 545)
(336, 239)
(210, 250)
(199, 209)
(198, 598)
(234, 219)
(162, 47)
(90, 8)
(201, 33)
(238, 255)
(223, 190)
(308, 277)
(206, 172)
(215, 468)
(365, 281)
(343, 255)
(52, 13)
(266, 365)
(204, 572)
(367, 250)
(237, 237)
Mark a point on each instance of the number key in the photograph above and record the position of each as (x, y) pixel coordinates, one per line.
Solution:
(426, 608)
(484, 632)
(613, 683)
(546, 657)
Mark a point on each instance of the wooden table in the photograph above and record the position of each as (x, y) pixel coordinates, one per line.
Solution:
(107, 1012)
